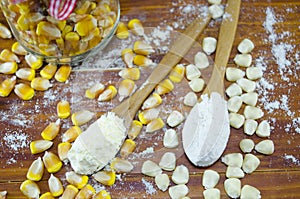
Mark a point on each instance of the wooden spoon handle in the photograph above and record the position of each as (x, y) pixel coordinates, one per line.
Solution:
(181, 46)
(225, 43)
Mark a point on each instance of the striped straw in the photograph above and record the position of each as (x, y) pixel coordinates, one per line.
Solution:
(61, 11)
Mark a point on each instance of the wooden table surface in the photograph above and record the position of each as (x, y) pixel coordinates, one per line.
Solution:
(273, 26)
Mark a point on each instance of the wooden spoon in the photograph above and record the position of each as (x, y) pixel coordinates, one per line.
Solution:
(206, 130)
(94, 149)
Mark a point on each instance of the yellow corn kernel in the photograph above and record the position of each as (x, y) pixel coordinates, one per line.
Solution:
(52, 162)
(7, 86)
(106, 22)
(33, 61)
(63, 109)
(155, 125)
(135, 129)
(23, 22)
(127, 57)
(48, 29)
(30, 189)
(61, 24)
(164, 87)
(105, 177)
(62, 149)
(101, 10)
(48, 71)
(39, 146)
(40, 84)
(122, 31)
(51, 131)
(142, 48)
(70, 192)
(148, 115)
(86, 192)
(95, 40)
(8, 68)
(55, 186)
(48, 49)
(84, 26)
(63, 73)
(81, 117)
(83, 8)
(130, 73)
(152, 101)
(4, 32)
(18, 49)
(8, 56)
(77, 180)
(121, 165)
(103, 194)
(136, 27)
(73, 39)
(143, 61)
(108, 93)
(71, 134)
(60, 43)
(126, 88)
(46, 195)
(67, 29)
(24, 91)
(27, 74)
(36, 170)
(177, 73)
(127, 148)
(94, 91)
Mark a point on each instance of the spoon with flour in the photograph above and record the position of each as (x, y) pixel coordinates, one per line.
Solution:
(206, 130)
(101, 141)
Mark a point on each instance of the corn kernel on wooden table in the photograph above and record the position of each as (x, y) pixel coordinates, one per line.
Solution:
(273, 26)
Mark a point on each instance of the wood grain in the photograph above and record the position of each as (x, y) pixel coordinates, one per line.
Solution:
(276, 177)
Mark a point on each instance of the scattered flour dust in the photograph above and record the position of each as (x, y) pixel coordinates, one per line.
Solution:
(292, 158)
(16, 141)
(149, 187)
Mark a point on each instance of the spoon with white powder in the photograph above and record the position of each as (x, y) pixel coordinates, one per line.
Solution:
(206, 130)
(101, 141)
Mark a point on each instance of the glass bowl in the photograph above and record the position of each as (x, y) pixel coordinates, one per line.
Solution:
(89, 28)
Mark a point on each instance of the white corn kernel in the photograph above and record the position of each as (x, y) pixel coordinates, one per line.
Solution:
(246, 145)
(234, 104)
(213, 193)
(175, 118)
(233, 187)
(250, 126)
(192, 72)
(181, 175)
(197, 84)
(246, 84)
(4, 32)
(55, 186)
(201, 60)
(178, 191)
(254, 73)
(250, 192)
(210, 179)
(250, 163)
(168, 161)
(8, 68)
(3, 194)
(236, 120)
(233, 159)
(246, 46)
(233, 90)
(250, 98)
(18, 49)
(263, 129)
(146, 116)
(190, 99)
(26, 74)
(126, 88)
(216, 11)
(234, 172)
(150, 168)
(243, 60)
(162, 181)
(214, 1)
(209, 45)
(170, 139)
(265, 147)
(234, 74)
(30, 189)
(251, 112)
(120, 165)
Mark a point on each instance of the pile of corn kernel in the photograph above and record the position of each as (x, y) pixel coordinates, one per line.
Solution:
(88, 24)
